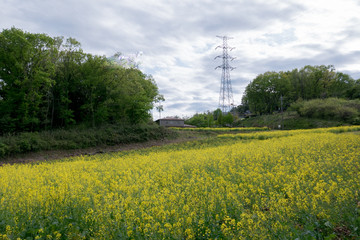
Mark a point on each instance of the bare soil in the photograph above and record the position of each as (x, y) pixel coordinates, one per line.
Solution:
(59, 154)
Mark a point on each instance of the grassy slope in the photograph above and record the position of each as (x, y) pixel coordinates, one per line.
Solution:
(80, 138)
(291, 120)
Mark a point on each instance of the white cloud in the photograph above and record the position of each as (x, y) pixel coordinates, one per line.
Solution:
(178, 38)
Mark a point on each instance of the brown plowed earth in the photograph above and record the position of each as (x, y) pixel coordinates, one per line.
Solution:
(34, 157)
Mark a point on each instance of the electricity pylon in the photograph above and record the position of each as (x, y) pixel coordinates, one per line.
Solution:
(226, 100)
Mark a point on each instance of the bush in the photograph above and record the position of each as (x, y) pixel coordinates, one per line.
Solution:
(330, 109)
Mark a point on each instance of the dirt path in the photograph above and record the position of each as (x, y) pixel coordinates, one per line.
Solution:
(58, 154)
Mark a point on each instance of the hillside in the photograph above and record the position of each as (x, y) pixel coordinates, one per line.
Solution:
(289, 120)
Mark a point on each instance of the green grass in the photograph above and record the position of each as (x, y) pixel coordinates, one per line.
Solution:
(78, 138)
(289, 120)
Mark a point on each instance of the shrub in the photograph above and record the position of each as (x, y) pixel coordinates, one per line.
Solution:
(330, 108)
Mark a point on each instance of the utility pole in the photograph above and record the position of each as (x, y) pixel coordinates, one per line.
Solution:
(226, 100)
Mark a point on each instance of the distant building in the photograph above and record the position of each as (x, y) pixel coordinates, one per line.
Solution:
(170, 122)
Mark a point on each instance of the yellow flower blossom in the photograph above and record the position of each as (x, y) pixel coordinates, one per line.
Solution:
(259, 185)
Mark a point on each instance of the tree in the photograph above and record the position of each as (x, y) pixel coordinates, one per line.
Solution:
(354, 91)
(26, 71)
(48, 83)
(319, 82)
(130, 95)
(228, 119)
(67, 96)
(94, 91)
(341, 86)
(218, 117)
(159, 107)
(241, 109)
(263, 94)
(205, 119)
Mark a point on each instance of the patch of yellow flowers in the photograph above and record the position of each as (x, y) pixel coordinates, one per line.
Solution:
(304, 184)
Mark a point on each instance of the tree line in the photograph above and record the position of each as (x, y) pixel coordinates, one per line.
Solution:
(211, 119)
(273, 91)
(49, 82)
(299, 89)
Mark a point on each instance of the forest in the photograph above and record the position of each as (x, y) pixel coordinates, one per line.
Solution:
(50, 82)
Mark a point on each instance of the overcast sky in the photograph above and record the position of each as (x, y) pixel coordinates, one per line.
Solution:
(178, 38)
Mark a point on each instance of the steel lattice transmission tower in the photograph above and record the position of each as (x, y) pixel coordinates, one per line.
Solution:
(226, 100)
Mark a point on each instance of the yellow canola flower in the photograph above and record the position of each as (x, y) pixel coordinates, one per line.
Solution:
(285, 184)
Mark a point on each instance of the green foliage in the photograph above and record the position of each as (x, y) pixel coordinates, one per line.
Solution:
(211, 119)
(354, 92)
(26, 72)
(218, 117)
(47, 83)
(263, 94)
(330, 108)
(270, 91)
(201, 120)
(288, 120)
(228, 119)
(77, 137)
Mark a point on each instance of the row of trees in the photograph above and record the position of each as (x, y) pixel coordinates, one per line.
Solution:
(211, 119)
(48, 82)
(270, 91)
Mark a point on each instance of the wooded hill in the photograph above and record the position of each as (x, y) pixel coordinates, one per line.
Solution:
(49, 82)
(271, 91)
(313, 92)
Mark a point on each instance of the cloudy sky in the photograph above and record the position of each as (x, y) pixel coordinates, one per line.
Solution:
(178, 38)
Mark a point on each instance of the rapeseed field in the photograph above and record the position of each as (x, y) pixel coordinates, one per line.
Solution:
(285, 185)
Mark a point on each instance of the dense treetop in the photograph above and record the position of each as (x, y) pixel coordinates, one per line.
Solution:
(49, 82)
